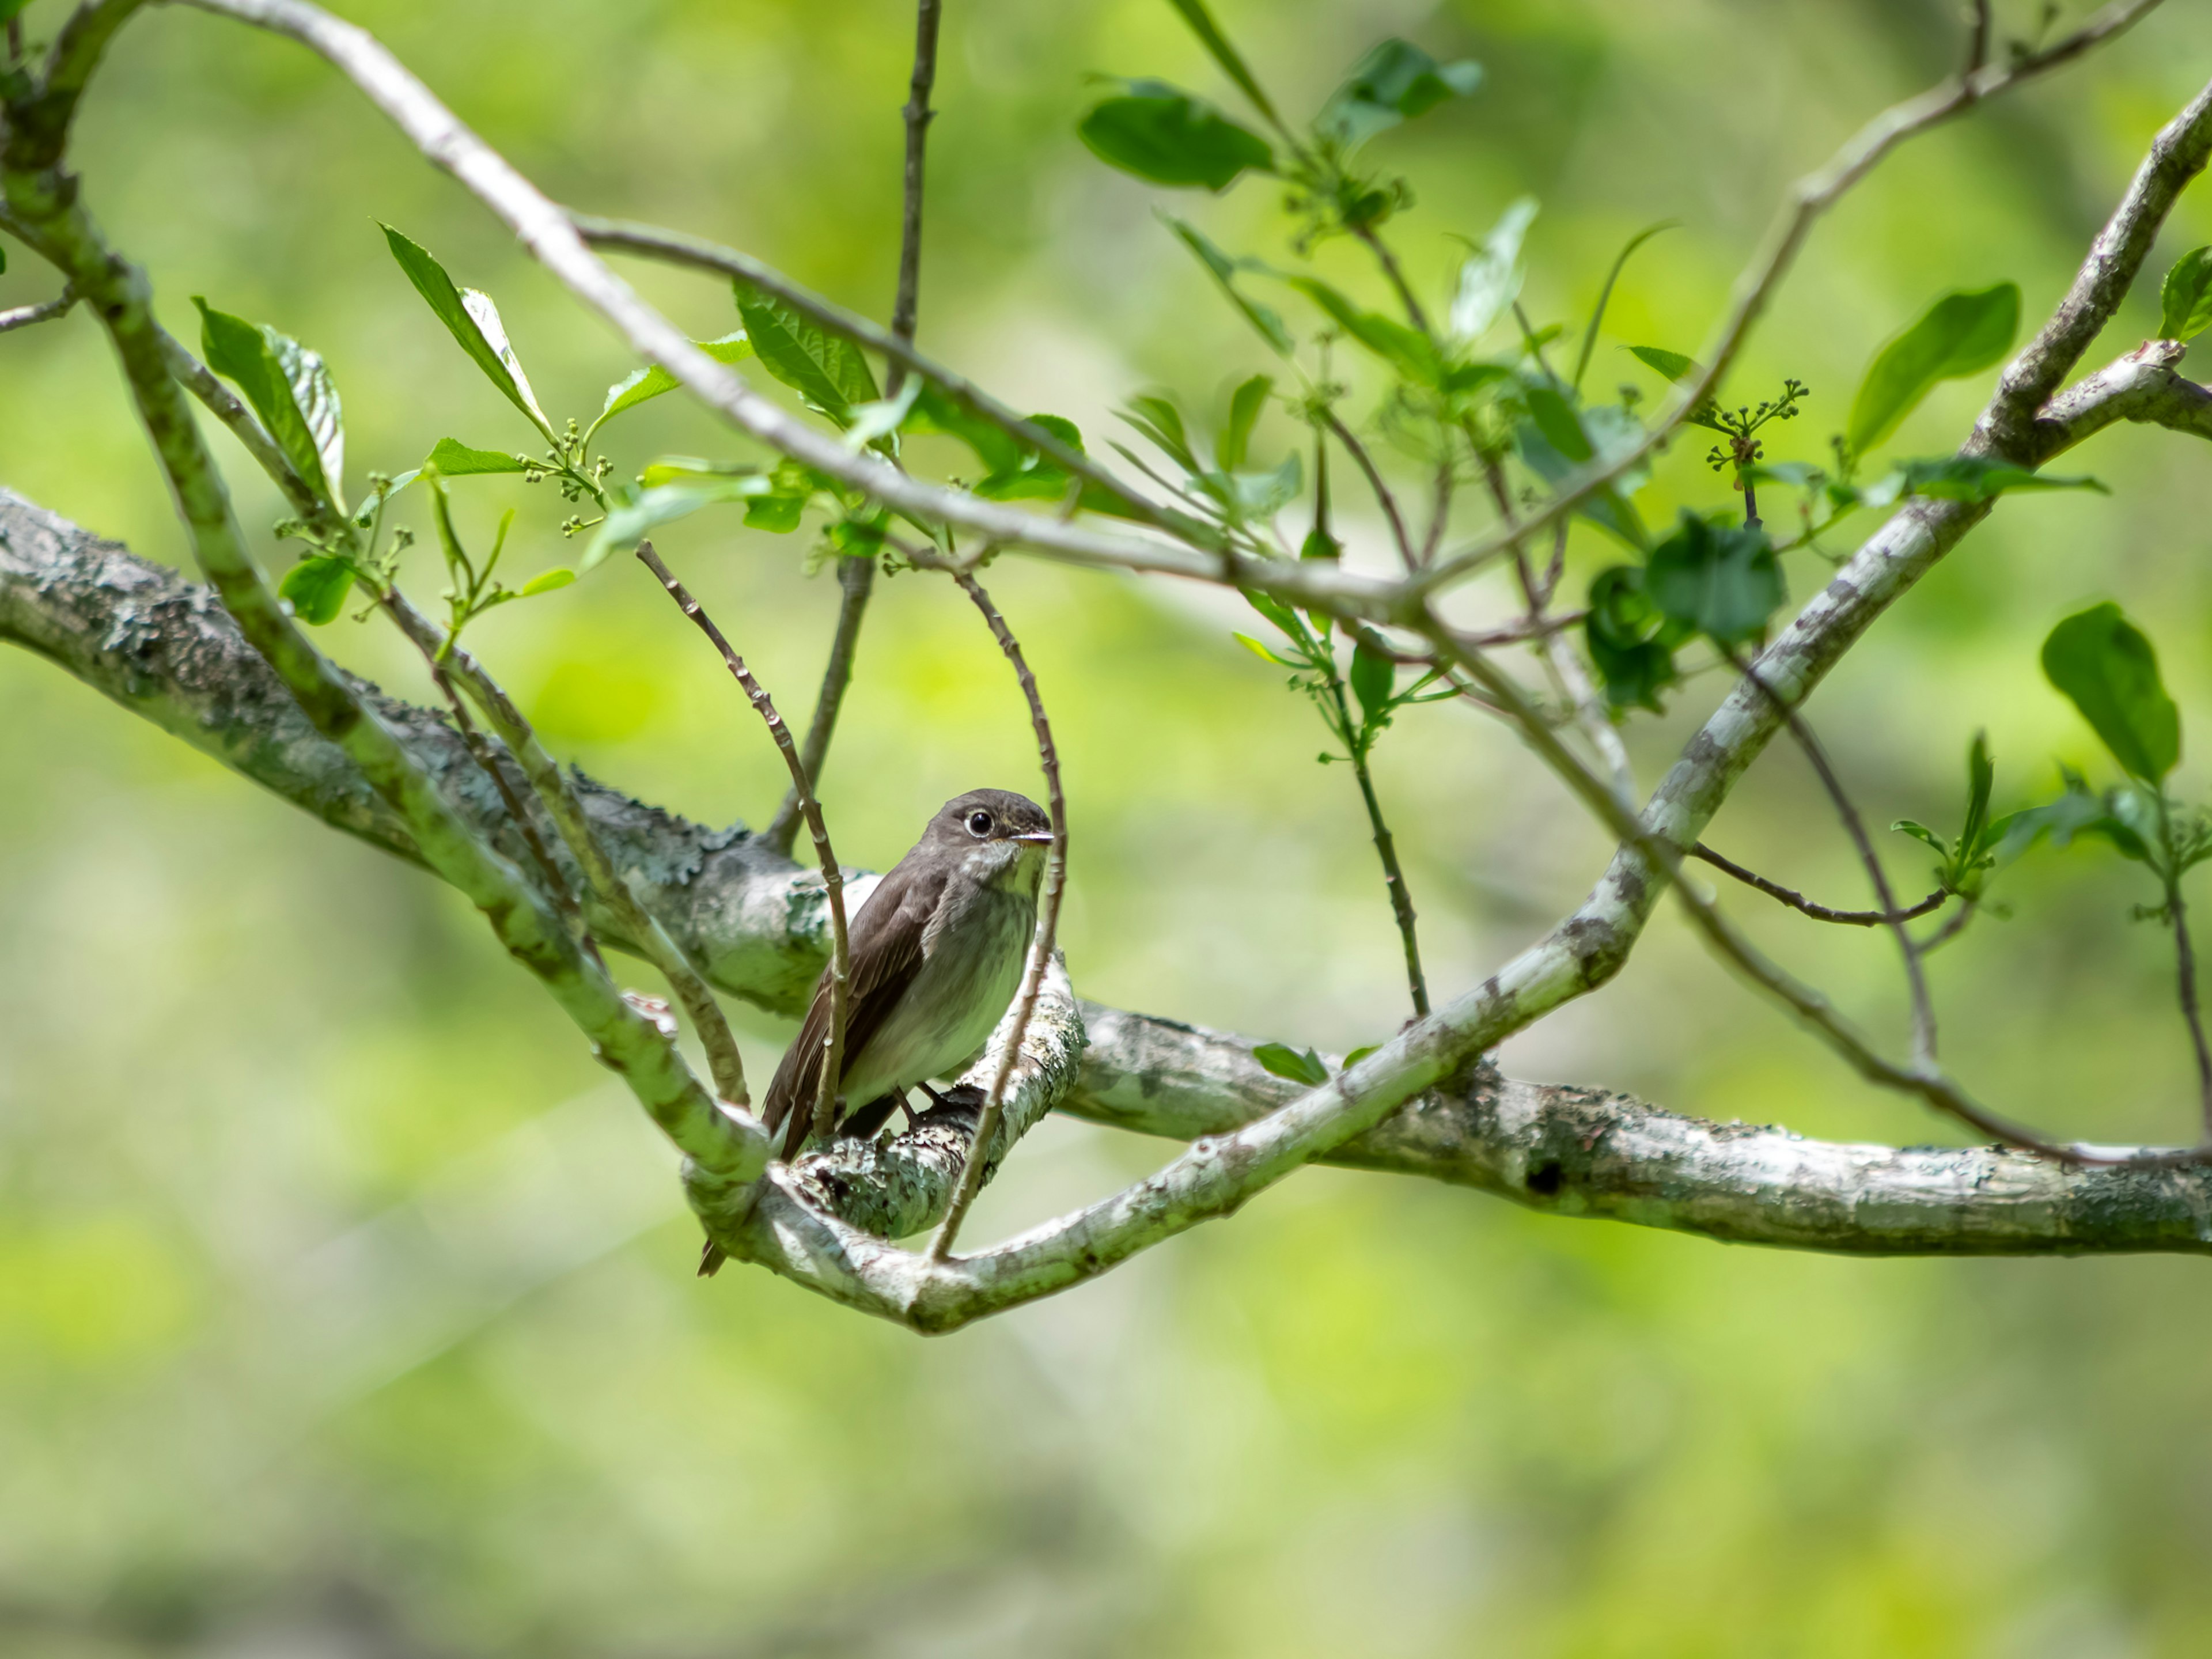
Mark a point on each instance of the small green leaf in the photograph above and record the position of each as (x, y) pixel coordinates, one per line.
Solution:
(1489, 278)
(1155, 415)
(1557, 441)
(1162, 133)
(1264, 319)
(634, 513)
(1395, 81)
(290, 389)
(1288, 1062)
(1672, 364)
(2107, 669)
(1960, 334)
(791, 488)
(1374, 677)
(1981, 781)
(474, 322)
(996, 448)
(1632, 644)
(317, 587)
(1244, 406)
(546, 581)
(1922, 832)
(826, 369)
(365, 514)
(1319, 544)
(643, 384)
(1201, 22)
(456, 459)
(1263, 652)
(1722, 583)
(2185, 300)
(1358, 1055)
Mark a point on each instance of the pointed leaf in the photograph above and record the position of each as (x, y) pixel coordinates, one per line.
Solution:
(1395, 81)
(643, 511)
(1960, 334)
(1288, 1062)
(826, 369)
(1490, 279)
(474, 322)
(1162, 133)
(2185, 300)
(1977, 478)
(2107, 669)
(1244, 406)
(546, 581)
(1672, 364)
(290, 389)
(1374, 677)
(1724, 583)
(1223, 268)
(456, 459)
(1401, 347)
(643, 384)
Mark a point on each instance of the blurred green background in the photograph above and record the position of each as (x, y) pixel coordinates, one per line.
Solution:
(346, 1309)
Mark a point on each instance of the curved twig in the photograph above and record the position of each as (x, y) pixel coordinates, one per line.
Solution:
(1798, 901)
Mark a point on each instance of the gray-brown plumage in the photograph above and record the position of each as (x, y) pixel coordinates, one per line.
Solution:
(935, 956)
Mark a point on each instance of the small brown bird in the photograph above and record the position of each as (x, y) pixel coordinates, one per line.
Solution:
(935, 956)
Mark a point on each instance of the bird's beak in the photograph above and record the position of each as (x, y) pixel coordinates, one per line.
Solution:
(1040, 837)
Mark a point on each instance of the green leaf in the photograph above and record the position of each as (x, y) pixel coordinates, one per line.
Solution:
(634, 512)
(1032, 478)
(317, 587)
(791, 488)
(1244, 406)
(1722, 583)
(1274, 610)
(876, 422)
(1556, 441)
(1978, 479)
(1403, 347)
(546, 581)
(1374, 677)
(1155, 415)
(824, 369)
(1253, 496)
(1288, 1062)
(1922, 832)
(2185, 299)
(1960, 334)
(290, 389)
(474, 322)
(1672, 364)
(1163, 134)
(1358, 1055)
(7, 10)
(996, 448)
(2107, 669)
(643, 384)
(365, 514)
(1201, 22)
(1632, 644)
(1263, 652)
(1264, 319)
(1489, 278)
(456, 459)
(1981, 779)
(1395, 81)
(1319, 544)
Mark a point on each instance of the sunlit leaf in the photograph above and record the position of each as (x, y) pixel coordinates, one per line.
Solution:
(546, 581)
(826, 369)
(2185, 298)
(643, 384)
(289, 388)
(2107, 669)
(474, 322)
(1960, 334)
(1244, 406)
(1374, 677)
(1672, 364)
(1977, 478)
(1403, 347)
(457, 460)
(637, 513)
(1288, 1062)
(1490, 278)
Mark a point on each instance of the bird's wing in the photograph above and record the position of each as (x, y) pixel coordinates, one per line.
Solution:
(883, 946)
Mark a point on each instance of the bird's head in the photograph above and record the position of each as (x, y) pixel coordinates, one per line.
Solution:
(1004, 835)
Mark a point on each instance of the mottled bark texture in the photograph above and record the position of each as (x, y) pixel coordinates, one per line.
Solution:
(163, 647)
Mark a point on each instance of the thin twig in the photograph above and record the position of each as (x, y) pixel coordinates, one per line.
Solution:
(2176, 912)
(833, 878)
(1797, 900)
(1978, 38)
(554, 794)
(1383, 498)
(1808, 198)
(1389, 261)
(1047, 926)
(1386, 845)
(45, 311)
(856, 578)
(1923, 1007)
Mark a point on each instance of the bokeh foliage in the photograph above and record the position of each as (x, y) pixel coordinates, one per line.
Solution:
(337, 1294)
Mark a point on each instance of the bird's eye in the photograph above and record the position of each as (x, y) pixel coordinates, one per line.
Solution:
(979, 825)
